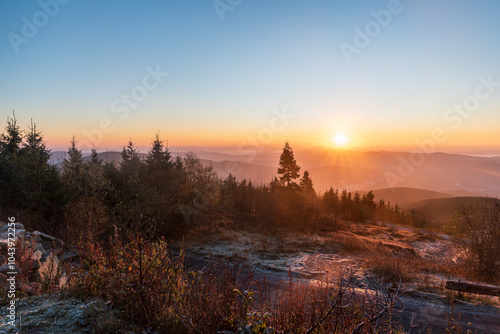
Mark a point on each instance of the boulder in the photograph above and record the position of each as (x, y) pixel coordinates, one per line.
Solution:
(70, 255)
(50, 269)
(33, 238)
(41, 249)
(46, 237)
(38, 257)
(17, 226)
(4, 243)
(7, 234)
(49, 243)
(6, 269)
(6, 231)
(70, 247)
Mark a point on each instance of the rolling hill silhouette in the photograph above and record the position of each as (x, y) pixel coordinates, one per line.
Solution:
(447, 174)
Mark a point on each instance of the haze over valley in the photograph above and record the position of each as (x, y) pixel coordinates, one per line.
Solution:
(235, 166)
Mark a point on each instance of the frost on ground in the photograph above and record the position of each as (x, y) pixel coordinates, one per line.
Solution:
(303, 256)
(50, 313)
(330, 255)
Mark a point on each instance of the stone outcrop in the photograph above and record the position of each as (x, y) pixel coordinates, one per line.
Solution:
(37, 260)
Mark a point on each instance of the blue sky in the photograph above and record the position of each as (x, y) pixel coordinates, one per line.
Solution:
(225, 77)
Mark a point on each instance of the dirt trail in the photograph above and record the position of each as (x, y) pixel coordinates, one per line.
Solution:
(320, 258)
(310, 260)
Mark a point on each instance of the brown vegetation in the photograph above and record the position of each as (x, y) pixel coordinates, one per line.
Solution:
(156, 290)
(121, 214)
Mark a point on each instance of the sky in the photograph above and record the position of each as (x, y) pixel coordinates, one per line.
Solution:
(390, 75)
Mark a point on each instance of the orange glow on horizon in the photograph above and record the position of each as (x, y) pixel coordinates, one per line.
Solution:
(307, 139)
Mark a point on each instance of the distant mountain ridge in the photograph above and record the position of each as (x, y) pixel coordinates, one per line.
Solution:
(407, 197)
(451, 174)
(441, 211)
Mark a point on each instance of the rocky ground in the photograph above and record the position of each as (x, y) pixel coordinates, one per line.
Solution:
(326, 254)
(53, 313)
(310, 259)
(351, 252)
(36, 261)
(32, 259)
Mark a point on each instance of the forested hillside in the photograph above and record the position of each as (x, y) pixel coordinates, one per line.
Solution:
(171, 193)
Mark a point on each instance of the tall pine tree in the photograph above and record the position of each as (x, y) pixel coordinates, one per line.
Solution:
(10, 167)
(42, 187)
(288, 168)
(73, 173)
(306, 184)
(131, 164)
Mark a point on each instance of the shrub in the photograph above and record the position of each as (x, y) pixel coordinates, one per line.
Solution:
(154, 289)
(138, 276)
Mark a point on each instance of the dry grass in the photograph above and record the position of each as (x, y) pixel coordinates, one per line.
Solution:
(354, 244)
(421, 273)
(151, 286)
(155, 289)
(423, 260)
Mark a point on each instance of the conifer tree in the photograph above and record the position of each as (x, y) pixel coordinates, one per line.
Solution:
(131, 164)
(74, 160)
(306, 184)
(73, 173)
(10, 142)
(30, 186)
(94, 157)
(10, 169)
(159, 157)
(42, 188)
(288, 168)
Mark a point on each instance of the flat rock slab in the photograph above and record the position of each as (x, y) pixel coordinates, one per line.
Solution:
(6, 269)
(17, 226)
(50, 313)
(46, 237)
(18, 233)
(4, 243)
(70, 255)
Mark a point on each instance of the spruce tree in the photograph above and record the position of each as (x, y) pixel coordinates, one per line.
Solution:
(73, 163)
(306, 184)
(10, 168)
(30, 185)
(73, 173)
(159, 165)
(288, 168)
(38, 176)
(94, 157)
(131, 164)
(10, 142)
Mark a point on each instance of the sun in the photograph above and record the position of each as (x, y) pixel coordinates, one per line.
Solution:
(340, 139)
